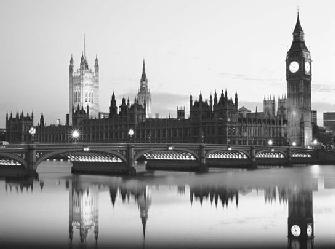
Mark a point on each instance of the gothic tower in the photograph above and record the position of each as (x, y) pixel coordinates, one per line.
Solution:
(84, 87)
(298, 75)
(143, 95)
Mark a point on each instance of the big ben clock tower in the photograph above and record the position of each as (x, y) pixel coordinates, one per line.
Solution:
(298, 76)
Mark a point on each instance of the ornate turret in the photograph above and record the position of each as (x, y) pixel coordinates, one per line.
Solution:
(82, 61)
(298, 33)
(113, 107)
(215, 98)
(144, 76)
(211, 102)
(71, 65)
(84, 86)
(42, 123)
(236, 101)
(143, 95)
(96, 65)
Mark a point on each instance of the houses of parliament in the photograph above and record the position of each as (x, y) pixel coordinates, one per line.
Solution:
(218, 119)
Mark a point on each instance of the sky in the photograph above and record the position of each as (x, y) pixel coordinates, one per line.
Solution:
(190, 46)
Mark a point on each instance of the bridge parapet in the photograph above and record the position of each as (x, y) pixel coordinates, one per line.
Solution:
(30, 155)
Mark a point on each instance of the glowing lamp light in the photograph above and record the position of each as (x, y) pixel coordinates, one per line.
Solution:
(270, 142)
(131, 132)
(170, 148)
(315, 142)
(75, 134)
(229, 148)
(294, 143)
(32, 131)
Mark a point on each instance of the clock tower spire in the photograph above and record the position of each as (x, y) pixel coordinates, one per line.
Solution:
(298, 76)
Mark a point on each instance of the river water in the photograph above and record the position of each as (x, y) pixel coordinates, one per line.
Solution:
(224, 208)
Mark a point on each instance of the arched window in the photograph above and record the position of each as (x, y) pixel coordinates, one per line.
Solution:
(86, 97)
(92, 97)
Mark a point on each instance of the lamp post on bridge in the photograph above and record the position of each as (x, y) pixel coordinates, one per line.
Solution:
(131, 133)
(227, 130)
(30, 153)
(75, 135)
(130, 153)
(32, 132)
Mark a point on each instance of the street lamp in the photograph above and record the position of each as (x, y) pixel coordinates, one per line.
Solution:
(294, 143)
(75, 135)
(270, 142)
(131, 133)
(315, 142)
(32, 132)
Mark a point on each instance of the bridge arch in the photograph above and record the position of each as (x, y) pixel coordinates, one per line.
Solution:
(59, 152)
(14, 157)
(142, 152)
(270, 153)
(239, 153)
(301, 154)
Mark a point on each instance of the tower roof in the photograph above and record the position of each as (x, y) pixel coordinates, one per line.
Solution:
(298, 27)
(298, 43)
(144, 76)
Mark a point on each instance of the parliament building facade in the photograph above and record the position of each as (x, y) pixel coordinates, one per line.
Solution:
(218, 119)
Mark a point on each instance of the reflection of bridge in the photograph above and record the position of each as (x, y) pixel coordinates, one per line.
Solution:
(121, 157)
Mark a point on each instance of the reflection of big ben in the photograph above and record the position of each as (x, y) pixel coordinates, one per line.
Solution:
(300, 219)
(83, 213)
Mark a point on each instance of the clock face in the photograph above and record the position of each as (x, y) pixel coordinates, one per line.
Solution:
(295, 230)
(294, 67)
(307, 67)
(309, 230)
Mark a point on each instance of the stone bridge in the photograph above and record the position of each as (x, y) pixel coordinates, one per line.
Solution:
(179, 155)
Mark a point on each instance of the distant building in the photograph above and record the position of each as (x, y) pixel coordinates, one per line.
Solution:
(329, 120)
(314, 117)
(269, 107)
(216, 121)
(244, 111)
(103, 114)
(143, 95)
(17, 128)
(282, 107)
(3, 135)
(180, 112)
(84, 87)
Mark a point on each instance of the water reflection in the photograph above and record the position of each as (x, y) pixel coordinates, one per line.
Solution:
(105, 211)
(214, 194)
(84, 210)
(300, 218)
